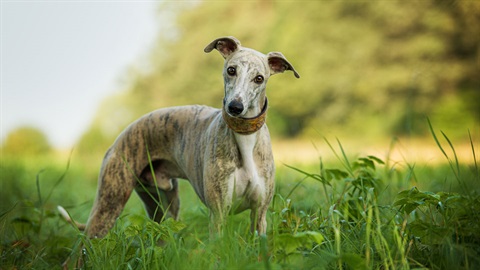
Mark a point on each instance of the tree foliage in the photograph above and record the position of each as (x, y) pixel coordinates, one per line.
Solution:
(26, 141)
(374, 67)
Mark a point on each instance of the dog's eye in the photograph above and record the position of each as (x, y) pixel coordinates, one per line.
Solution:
(231, 71)
(259, 79)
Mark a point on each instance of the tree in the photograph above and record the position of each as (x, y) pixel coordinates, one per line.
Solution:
(367, 68)
(26, 141)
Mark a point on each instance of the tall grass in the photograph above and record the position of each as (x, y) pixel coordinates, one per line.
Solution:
(356, 213)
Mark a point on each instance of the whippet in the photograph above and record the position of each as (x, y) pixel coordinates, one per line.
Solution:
(225, 154)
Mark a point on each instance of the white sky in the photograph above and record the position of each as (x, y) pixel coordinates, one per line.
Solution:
(59, 59)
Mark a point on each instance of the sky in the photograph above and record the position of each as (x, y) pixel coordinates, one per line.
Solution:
(60, 59)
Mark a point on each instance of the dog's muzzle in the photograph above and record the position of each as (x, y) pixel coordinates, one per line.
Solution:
(235, 108)
(246, 126)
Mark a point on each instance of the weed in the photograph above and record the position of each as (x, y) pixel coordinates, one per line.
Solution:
(360, 213)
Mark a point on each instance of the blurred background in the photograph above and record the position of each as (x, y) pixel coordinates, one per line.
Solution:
(371, 72)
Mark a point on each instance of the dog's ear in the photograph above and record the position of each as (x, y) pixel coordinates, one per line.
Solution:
(278, 63)
(225, 45)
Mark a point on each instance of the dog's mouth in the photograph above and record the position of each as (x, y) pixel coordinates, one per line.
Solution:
(245, 126)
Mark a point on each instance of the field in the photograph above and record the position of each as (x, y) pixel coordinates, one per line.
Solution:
(370, 71)
(347, 211)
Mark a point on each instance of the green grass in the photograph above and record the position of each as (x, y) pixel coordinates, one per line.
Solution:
(352, 213)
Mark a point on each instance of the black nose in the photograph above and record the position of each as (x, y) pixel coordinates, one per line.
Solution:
(235, 108)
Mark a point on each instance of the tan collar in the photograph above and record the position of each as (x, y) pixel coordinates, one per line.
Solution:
(246, 126)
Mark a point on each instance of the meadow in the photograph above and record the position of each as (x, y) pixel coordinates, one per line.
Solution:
(370, 70)
(346, 212)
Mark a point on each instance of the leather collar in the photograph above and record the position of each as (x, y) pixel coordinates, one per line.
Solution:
(246, 126)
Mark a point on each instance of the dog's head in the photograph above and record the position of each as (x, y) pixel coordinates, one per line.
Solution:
(246, 73)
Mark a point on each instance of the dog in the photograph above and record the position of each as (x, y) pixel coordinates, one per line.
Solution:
(225, 153)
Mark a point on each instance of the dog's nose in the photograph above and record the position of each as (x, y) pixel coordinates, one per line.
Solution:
(235, 108)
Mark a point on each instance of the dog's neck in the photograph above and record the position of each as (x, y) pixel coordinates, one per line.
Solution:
(246, 126)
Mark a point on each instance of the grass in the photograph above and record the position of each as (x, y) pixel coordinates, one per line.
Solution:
(354, 213)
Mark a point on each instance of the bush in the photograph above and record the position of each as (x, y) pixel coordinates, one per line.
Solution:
(26, 141)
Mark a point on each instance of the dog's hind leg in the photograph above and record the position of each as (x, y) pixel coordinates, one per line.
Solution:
(158, 190)
(158, 202)
(114, 188)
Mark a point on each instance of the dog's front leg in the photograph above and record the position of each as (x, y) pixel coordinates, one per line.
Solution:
(258, 220)
(218, 215)
(217, 222)
(258, 214)
(218, 200)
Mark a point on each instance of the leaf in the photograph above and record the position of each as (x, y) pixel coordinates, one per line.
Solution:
(374, 158)
(354, 260)
(24, 220)
(407, 199)
(288, 242)
(132, 231)
(311, 175)
(316, 236)
(367, 163)
(291, 242)
(174, 225)
(404, 196)
(336, 174)
(429, 233)
(136, 219)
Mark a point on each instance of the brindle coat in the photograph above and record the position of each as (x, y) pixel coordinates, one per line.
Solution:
(227, 170)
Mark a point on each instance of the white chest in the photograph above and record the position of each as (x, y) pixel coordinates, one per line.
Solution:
(246, 186)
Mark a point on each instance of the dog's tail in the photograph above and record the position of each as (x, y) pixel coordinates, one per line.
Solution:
(69, 219)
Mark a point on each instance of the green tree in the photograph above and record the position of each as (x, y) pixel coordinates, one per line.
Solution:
(26, 141)
(371, 68)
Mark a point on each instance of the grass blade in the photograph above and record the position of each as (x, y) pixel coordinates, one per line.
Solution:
(436, 139)
(474, 156)
(310, 175)
(344, 161)
(454, 153)
(60, 179)
(349, 167)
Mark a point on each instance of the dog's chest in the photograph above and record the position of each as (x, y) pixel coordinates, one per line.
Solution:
(248, 185)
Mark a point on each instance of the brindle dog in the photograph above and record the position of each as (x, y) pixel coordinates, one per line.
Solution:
(225, 154)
